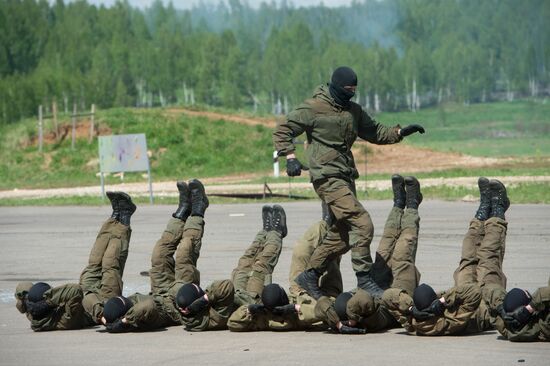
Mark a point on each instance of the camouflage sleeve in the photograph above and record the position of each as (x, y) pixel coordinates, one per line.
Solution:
(144, 315)
(398, 302)
(70, 296)
(377, 133)
(541, 299)
(325, 311)
(242, 321)
(220, 297)
(361, 305)
(21, 292)
(294, 125)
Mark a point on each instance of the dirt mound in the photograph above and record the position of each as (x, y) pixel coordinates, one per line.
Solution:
(82, 131)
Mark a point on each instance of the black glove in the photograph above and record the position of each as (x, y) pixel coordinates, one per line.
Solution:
(421, 315)
(198, 305)
(256, 308)
(436, 307)
(344, 329)
(516, 319)
(410, 129)
(39, 309)
(293, 167)
(118, 326)
(284, 310)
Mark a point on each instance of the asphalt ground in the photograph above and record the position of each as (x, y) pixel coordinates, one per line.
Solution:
(52, 244)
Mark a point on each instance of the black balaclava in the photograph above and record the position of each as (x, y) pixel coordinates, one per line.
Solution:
(274, 295)
(423, 296)
(116, 307)
(342, 76)
(187, 294)
(36, 292)
(341, 304)
(515, 298)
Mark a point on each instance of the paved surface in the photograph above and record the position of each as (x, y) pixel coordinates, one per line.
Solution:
(52, 244)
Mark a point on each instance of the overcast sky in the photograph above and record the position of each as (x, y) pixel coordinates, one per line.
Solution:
(185, 4)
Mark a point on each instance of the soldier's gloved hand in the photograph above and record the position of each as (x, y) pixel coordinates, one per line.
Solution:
(198, 305)
(293, 167)
(118, 326)
(410, 129)
(256, 308)
(344, 329)
(436, 307)
(421, 315)
(284, 310)
(39, 309)
(521, 315)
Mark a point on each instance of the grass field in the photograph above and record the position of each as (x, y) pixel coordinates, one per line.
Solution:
(183, 147)
(520, 128)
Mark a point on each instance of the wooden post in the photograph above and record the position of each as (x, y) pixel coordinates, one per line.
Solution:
(74, 126)
(54, 113)
(40, 128)
(92, 124)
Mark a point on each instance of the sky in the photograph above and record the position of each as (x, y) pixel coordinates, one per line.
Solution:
(186, 4)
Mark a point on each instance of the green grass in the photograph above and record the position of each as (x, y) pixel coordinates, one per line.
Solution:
(520, 128)
(184, 147)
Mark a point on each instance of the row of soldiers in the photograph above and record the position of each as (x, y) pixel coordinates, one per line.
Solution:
(249, 301)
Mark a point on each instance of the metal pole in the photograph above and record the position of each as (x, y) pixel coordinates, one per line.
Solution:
(40, 128)
(102, 186)
(92, 125)
(275, 164)
(74, 126)
(150, 182)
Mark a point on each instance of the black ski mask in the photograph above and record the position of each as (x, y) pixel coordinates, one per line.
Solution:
(341, 77)
(273, 295)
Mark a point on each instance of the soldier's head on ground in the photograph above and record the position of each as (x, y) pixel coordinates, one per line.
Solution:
(516, 298)
(36, 292)
(274, 295)
(35, 304)
(116, 307)
(423, 296)
(341, 304)
(343, 84)
(186, 295)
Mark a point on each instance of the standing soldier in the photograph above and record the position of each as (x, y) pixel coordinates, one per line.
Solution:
(75, 306)
(468, 306)
(360, 312)
(332, 123)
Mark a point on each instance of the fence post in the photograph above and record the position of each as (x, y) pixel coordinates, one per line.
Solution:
(92, 120)
(54, 113)
(74, 126)
(40, 133)
(275, 164)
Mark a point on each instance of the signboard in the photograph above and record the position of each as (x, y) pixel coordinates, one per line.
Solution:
(123, 153)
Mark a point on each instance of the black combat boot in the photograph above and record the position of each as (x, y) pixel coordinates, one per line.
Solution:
(184, 208)
(126, 208)
(279, 220)
(484, 209)
(113, 197)
(199, 201)
(267, 218)
(367, 283)
(414, 197)
(398, 187)
(327, 215)
(309, 281)
(499, 199)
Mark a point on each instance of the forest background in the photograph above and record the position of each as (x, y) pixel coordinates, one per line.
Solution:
(408, 53)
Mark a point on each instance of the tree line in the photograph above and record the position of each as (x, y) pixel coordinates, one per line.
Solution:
(407, 53)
